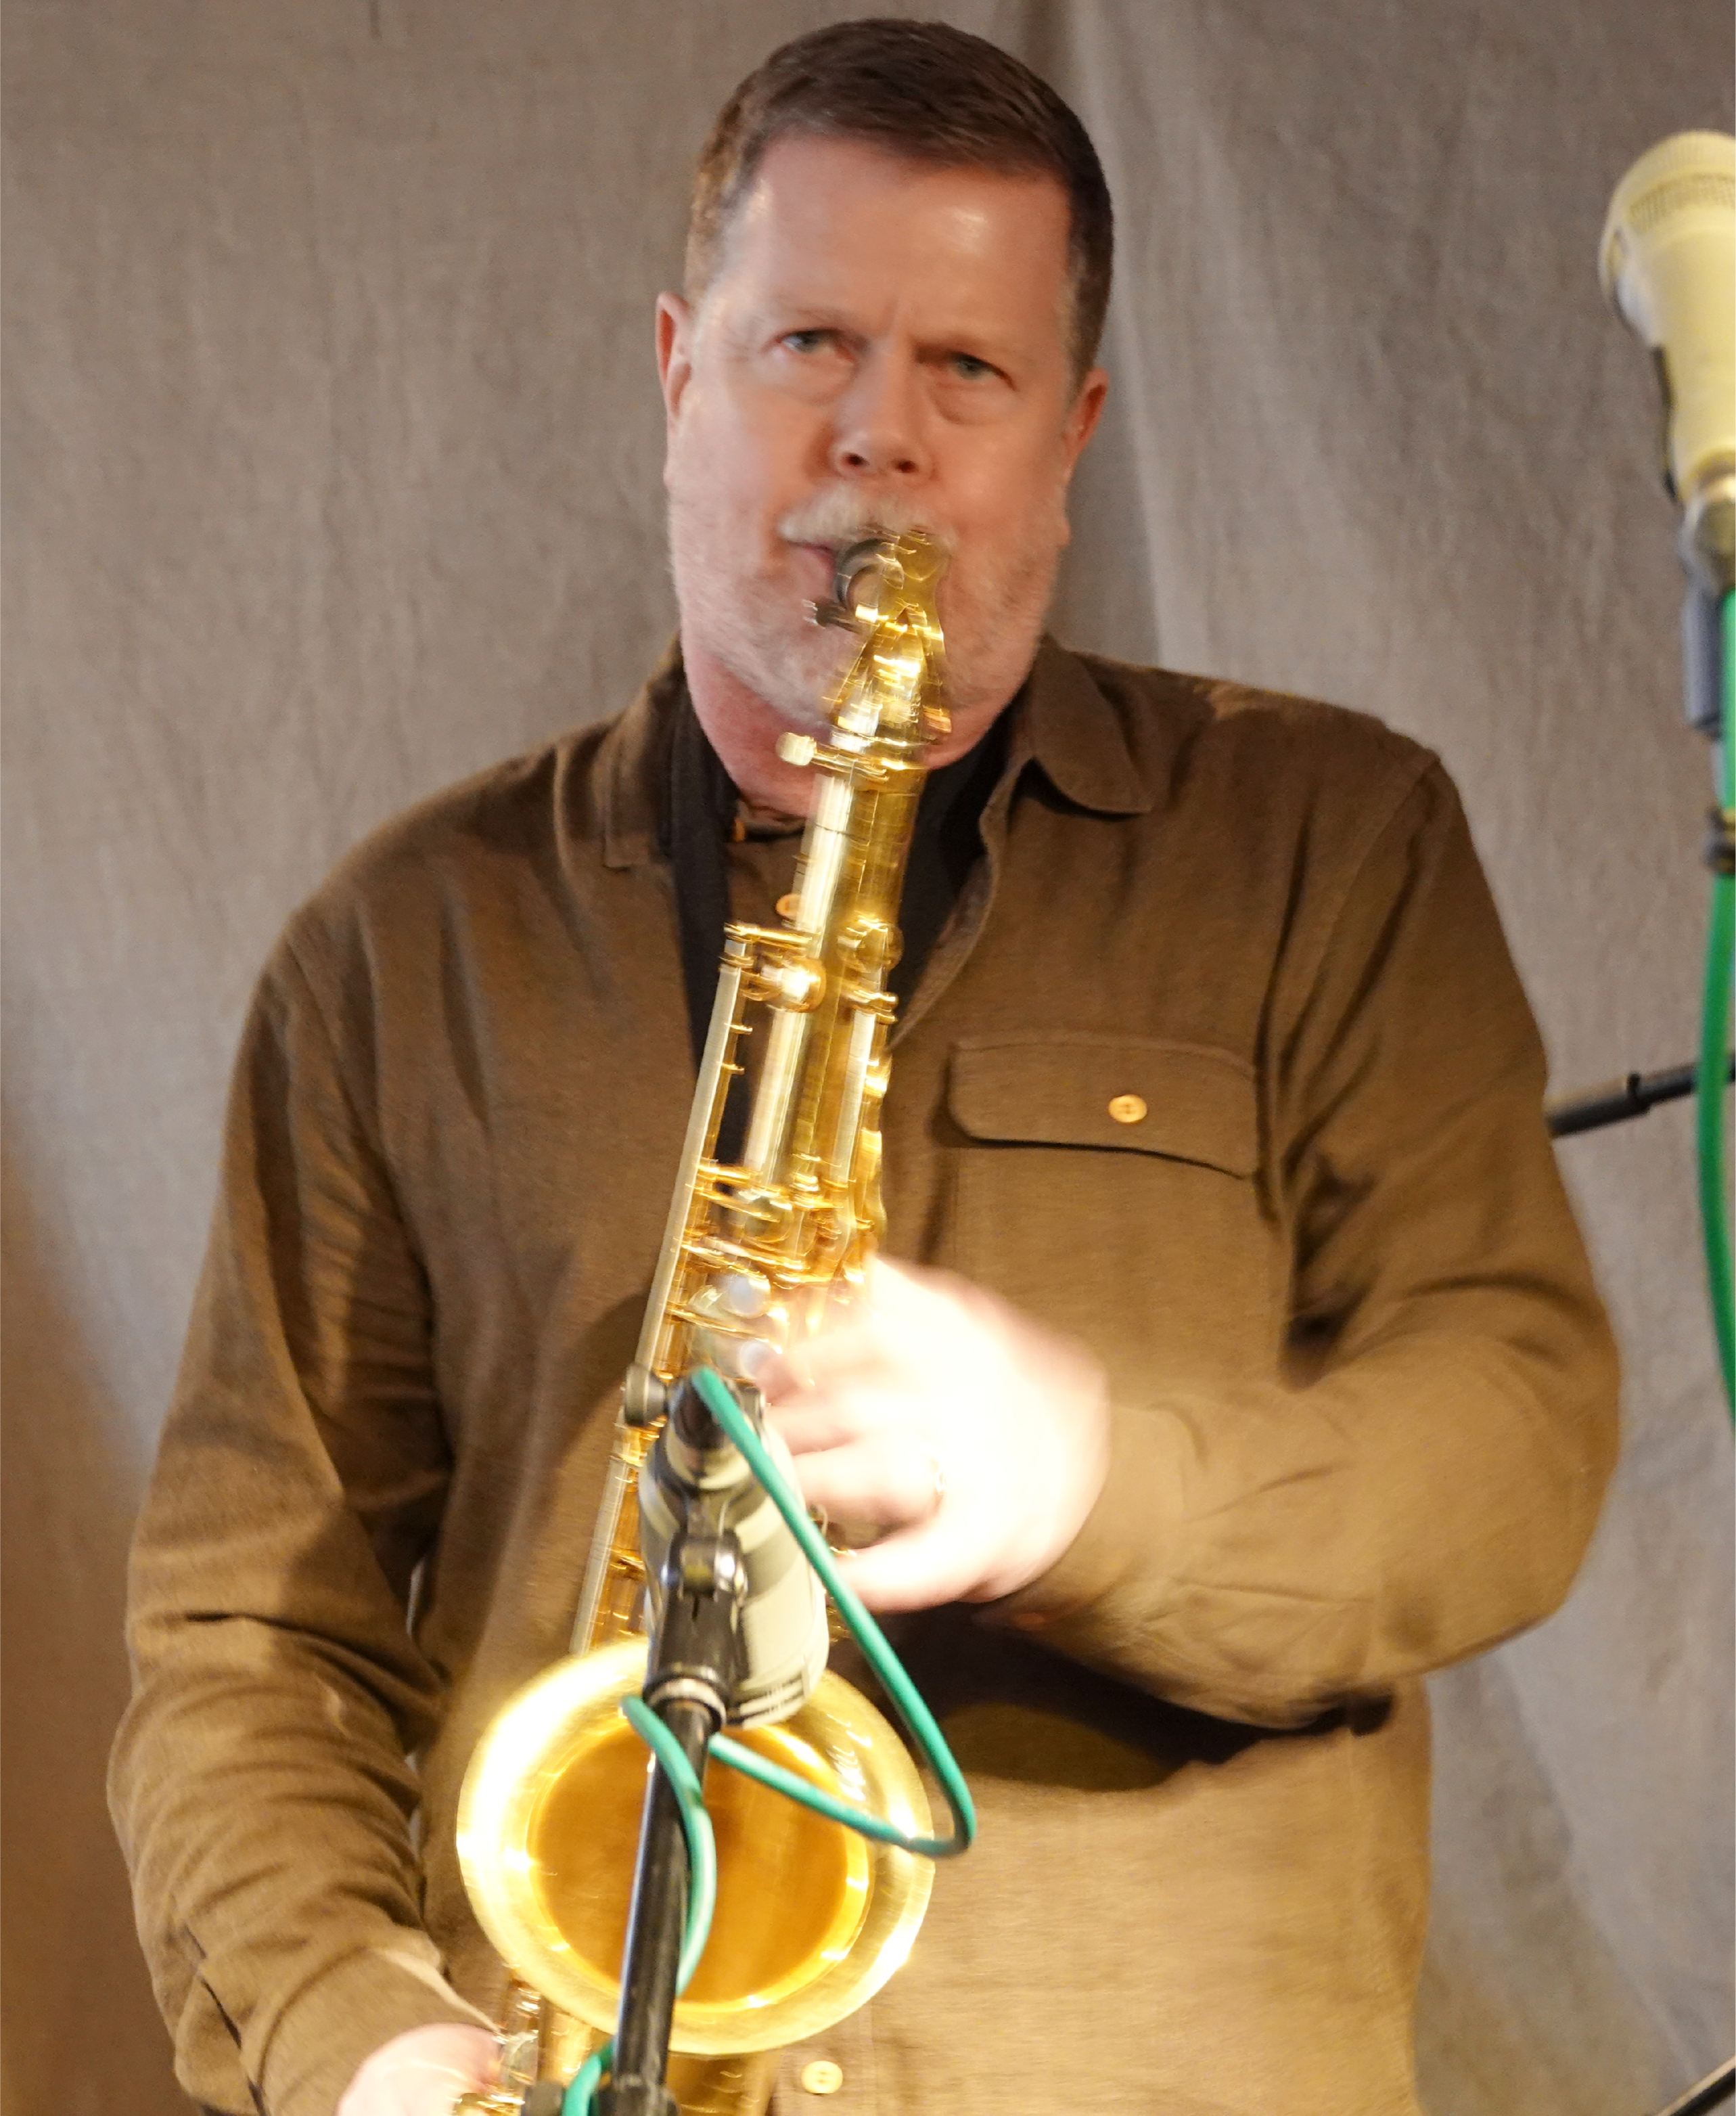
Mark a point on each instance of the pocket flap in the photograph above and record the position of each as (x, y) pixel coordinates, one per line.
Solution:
(1186, 1100)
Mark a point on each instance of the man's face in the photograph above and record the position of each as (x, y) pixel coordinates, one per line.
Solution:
(883, 346)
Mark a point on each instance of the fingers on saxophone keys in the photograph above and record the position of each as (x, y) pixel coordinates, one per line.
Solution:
(834, 1416)
(883, 1481)
(806, 1427)
(855, 1351)
(915, 1569)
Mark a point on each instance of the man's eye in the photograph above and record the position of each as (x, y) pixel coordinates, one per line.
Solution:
(967, 367)
(806, 341)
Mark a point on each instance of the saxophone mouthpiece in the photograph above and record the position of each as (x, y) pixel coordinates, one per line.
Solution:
(866, 574)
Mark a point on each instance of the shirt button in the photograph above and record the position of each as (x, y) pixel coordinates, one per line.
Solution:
(1127, 1109)
(822, 2077)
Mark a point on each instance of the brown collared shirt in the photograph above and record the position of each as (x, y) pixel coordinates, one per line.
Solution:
(1364, 1399)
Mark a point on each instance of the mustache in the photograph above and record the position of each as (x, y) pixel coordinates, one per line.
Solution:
(838, 516)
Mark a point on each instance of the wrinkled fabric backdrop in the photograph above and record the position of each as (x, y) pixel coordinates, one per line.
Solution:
(333, 459)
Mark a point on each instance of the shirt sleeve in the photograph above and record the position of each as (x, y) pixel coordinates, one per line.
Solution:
(1422, 1480)
(259, 1782)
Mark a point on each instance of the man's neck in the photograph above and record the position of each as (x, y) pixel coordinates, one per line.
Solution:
(744, 730)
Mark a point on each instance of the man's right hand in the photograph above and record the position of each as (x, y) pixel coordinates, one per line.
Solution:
(973, 1438)
(422, 2072)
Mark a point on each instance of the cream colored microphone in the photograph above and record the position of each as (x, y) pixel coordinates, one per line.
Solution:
(1668, 261)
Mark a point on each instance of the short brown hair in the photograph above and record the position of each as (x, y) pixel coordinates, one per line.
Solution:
(927, 92)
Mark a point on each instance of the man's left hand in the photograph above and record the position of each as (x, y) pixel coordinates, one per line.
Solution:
(974, 1441)
(423, 2072)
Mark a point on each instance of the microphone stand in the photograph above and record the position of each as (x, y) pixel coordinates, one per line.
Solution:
(1629, 1097)
(695, 1662)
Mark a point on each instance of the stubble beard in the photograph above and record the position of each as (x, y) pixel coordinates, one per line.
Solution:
(756, 623)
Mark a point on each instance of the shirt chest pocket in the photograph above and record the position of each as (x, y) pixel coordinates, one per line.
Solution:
(1105, 1183)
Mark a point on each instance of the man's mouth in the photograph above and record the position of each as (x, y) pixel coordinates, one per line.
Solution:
(823, 558)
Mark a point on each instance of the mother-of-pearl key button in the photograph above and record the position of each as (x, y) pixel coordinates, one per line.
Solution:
(822, 2077)
(1127, 1109)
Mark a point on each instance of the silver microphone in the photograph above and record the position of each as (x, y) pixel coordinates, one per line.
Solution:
(783, 1634)
(1668, 261)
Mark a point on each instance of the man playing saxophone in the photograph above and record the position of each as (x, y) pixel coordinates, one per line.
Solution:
(1240, 1364)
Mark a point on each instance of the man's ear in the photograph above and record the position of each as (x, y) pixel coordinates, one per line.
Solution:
(674, 351)
(1083, 414)
(1080, 423)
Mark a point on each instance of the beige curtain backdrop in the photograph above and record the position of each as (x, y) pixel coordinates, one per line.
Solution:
(333, 459)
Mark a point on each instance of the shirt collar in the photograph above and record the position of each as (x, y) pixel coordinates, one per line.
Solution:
(1073, 731)
(634, 761)
(1066, 724)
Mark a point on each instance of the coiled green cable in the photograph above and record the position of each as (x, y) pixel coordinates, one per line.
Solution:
(695, 1823)
(907, 1699)
(1714, 1037)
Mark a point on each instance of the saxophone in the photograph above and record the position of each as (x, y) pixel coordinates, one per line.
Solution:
(811, 1919)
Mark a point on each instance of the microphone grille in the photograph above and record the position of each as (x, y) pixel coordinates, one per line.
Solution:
(1673, 195)
(1683, 178)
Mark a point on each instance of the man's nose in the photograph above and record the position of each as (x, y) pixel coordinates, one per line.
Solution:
(879, 429)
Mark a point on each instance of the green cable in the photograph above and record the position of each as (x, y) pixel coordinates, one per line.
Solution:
(695, 1825)
(1709, 1083)
(721, 1402)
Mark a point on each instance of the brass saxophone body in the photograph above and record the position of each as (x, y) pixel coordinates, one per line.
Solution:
(811, 1919)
